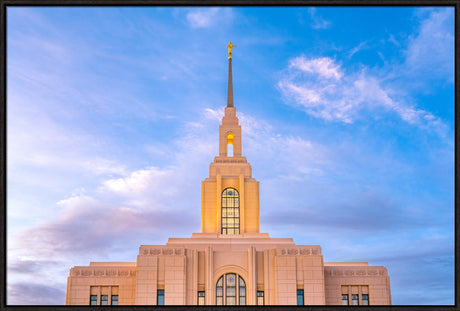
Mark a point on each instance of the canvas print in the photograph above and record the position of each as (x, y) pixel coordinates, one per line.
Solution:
(230, 155)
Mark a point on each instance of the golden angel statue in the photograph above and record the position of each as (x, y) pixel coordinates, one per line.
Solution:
(229, 46)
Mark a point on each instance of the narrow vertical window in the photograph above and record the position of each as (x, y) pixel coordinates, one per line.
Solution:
(114, 300)
(220, 292)
(93, 300)
(161, 297)
(300, 297)
(365, 299)
(201, 298)
(344, 299)
(242, 291)
(260, 298)
(230, 145)
(354, 300)
(230, 211)
(230, 291)
(104, 300)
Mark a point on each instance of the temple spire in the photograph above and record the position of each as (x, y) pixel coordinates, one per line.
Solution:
(230, 80)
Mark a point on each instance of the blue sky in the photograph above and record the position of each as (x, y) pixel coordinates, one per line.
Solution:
(347, 119)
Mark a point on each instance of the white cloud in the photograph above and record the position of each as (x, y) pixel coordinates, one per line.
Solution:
(324, 67)
(317, 21)
(431, 50)
(320, 88)
(204, 18)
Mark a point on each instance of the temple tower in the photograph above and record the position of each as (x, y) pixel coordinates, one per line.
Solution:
(230, 196)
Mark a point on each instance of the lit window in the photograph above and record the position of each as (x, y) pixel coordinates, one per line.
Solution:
(354, 300)
(161, 297)
(260, 298)
(230, 145)
(344, 299)
(93, 300)
(300, 297)
(114, 300)
(365, 299)
(231, 290)
(230, 211)
(201, 298)
(104, 300)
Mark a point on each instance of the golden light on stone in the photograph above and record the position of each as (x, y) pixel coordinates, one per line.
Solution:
(230, 139)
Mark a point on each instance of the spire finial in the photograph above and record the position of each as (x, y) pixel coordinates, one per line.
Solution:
(229, 46)
(230, 82)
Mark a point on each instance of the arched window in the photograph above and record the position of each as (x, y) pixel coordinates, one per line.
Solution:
(231, 290)
(230, 211)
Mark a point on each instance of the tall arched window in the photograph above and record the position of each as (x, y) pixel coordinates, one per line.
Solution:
(231, 290)
(230, 211)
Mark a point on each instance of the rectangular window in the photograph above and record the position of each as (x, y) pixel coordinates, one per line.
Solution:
(260, 298)
(344, 299)
(365, 299)
(93, 300)
(300, 297)
(114, 300)
(354, 300)
(161, 297)
(104, 300)
(201, 298)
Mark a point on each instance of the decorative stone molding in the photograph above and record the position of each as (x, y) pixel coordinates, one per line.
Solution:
(165, 251)
(358, 272)
(372, 272)
(155, 251)
(299, 251)
(114, 272)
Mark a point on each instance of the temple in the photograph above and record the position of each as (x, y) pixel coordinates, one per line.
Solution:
(230, 262)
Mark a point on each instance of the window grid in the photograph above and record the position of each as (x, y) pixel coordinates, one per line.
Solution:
(103, 295)
(201, 298)
(300, 297)
(354, 300)
(93, 300)
(344, 299)
(104, 300)
(365, 299)
(230, 211)
(230, 290)
(160, 297)
(260, 298)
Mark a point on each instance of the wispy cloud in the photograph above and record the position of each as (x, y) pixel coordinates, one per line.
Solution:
(321, 88)
(431, 49)
(204, 18)
(357, 48)
(317, 21)
(27, 293)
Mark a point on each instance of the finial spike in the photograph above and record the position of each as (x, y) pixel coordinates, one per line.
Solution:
(230, 82)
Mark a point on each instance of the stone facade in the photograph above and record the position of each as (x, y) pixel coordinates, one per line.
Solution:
(230, 261)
